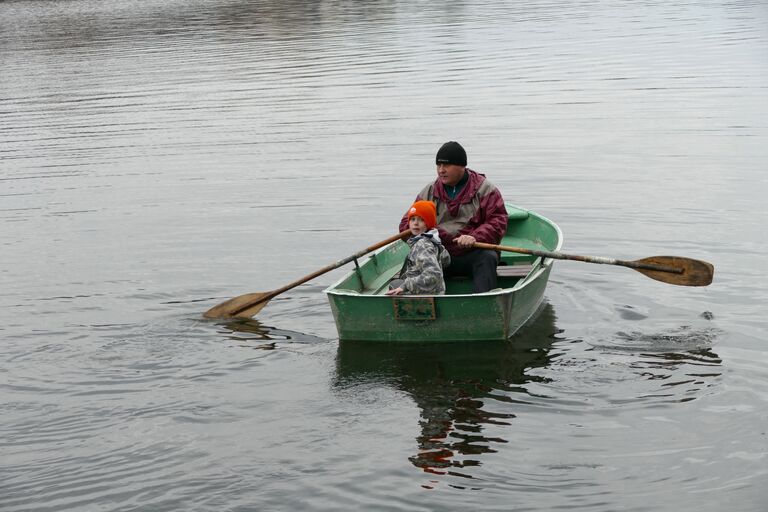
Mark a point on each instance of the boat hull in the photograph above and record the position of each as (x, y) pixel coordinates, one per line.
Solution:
(362, 311)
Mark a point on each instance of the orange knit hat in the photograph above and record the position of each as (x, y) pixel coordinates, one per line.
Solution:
(426, 210)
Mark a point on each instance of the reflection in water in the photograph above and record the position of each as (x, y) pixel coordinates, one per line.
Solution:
(250, 330)
(453, 384)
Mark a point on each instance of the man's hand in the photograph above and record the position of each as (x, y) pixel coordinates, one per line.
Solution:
(465, 241)
(396, 291)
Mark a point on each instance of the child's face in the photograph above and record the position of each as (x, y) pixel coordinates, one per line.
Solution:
(417, 225)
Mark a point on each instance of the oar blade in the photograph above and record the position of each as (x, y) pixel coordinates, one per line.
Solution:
(233, 308)
(694, 272)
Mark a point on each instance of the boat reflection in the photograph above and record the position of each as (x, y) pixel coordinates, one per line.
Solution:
(455, 386)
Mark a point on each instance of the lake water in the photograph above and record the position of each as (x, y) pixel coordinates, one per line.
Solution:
(159, 157)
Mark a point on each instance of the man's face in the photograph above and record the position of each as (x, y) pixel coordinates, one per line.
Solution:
(450, 174)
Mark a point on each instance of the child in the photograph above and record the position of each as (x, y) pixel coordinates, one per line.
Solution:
(422, 272)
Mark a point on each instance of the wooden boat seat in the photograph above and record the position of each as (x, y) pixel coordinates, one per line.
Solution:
(514, 270)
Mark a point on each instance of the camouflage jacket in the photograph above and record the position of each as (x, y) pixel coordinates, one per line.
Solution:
(422, 273)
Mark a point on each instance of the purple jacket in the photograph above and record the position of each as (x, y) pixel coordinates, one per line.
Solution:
(478, 210)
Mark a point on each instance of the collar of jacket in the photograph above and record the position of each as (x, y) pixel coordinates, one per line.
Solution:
(465, 195)
(432, 235)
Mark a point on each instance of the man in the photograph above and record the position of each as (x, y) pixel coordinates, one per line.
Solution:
(469, 209)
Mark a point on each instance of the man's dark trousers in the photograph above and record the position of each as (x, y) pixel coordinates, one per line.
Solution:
(479, 264)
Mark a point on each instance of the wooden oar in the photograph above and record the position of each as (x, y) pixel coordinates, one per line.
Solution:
(245, 306)
(668, 269)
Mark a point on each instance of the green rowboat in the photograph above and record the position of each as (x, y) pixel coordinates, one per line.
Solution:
(362, 311)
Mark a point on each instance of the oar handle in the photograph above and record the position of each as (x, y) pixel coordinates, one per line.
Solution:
(575, 257)
(322, 271)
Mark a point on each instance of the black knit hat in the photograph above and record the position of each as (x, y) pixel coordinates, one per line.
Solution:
(451, 153)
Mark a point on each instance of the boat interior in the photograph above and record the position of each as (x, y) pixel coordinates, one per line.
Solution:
(524, 229)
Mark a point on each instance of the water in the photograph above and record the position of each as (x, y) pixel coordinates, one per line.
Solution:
(160, 157)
